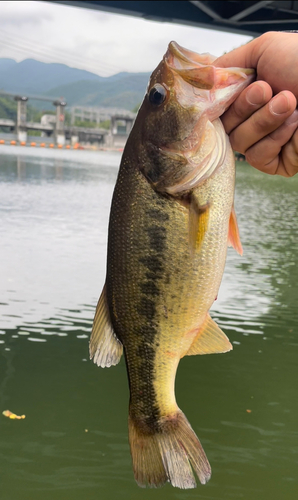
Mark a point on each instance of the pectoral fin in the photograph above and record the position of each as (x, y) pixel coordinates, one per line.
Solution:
(198, 224)
(234, 238)
(104, 347)
(210, 339)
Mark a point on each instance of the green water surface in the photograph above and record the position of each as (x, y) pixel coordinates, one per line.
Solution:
(73, 445)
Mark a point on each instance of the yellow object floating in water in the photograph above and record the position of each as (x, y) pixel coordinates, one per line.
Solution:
(13, 416)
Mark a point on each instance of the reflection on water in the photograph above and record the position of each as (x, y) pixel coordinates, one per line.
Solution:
(54, 209)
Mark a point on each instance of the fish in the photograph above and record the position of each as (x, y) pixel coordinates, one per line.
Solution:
(172, 218)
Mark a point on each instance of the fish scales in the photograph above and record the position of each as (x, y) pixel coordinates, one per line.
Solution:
(171, 219)
(162, 298)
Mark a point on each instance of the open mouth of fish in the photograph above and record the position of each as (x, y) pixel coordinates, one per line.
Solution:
(210, 83)
(214, 90)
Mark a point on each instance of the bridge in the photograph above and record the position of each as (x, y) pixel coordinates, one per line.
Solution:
(21, 126)
(50, 125)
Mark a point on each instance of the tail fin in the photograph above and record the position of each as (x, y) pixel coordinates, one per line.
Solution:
(167, 454)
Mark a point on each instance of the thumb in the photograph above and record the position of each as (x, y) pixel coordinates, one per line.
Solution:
(242, 57)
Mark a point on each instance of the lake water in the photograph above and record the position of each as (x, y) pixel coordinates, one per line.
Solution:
(54, 208)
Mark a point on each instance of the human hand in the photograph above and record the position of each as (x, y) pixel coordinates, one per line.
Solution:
(262, 127)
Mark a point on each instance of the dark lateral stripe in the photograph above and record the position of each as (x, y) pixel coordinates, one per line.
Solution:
(143, 396)
(149, 288)
(158, 215)
(147, 308)
(153, 264)
(157, 238)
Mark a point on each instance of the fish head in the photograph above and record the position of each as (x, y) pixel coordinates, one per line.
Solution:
(185, 95)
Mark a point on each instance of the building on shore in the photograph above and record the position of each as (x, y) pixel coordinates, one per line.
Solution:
(121, 121)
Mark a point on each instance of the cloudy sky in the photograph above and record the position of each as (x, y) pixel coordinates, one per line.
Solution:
(97, 41)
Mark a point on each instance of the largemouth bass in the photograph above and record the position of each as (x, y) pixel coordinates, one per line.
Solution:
(171, 220)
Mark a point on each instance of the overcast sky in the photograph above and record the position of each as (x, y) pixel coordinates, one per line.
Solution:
(97, 41)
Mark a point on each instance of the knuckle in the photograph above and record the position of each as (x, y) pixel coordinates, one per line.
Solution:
(290, 160)
(263, 125)
(239, 110)
(294, 143)
(252, 159)
(256, 159)
(237, 142)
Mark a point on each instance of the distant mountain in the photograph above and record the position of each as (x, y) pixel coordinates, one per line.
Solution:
(78, 87)
(124, 92)
(6, 64)
(37, 77)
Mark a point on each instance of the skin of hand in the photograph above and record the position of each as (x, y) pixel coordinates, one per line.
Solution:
(262, 122)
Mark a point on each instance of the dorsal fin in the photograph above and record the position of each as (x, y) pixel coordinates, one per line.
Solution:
(210, 339)
(234, 237)
(104, 346)
(198, 224)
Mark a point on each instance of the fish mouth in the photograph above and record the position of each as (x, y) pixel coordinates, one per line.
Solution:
(207, 91)
(187, 56)
(211, 84)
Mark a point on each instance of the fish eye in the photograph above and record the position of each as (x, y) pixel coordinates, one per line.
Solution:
(157, 94)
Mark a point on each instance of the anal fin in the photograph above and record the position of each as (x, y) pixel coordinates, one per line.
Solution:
(210, 339)
(104, 346)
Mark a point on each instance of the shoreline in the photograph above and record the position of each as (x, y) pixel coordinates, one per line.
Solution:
(44, 145)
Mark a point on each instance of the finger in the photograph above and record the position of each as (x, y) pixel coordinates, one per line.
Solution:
(289, 158)
(245, 56)
(249, 54)
(263, 122)
(249, 101)
(265, 154)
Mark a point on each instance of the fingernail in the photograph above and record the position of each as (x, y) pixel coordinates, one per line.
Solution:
(255, 94)
(279, 104)
(293, 118)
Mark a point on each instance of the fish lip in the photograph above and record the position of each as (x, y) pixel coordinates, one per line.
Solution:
(187, 56)
(194, 59)
(199, 71)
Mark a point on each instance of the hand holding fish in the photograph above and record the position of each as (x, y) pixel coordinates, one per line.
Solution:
(262, 122)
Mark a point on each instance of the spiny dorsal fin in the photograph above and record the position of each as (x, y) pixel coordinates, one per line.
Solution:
(210, 339)
(104, 347)
(198, 224)
(234, 237)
